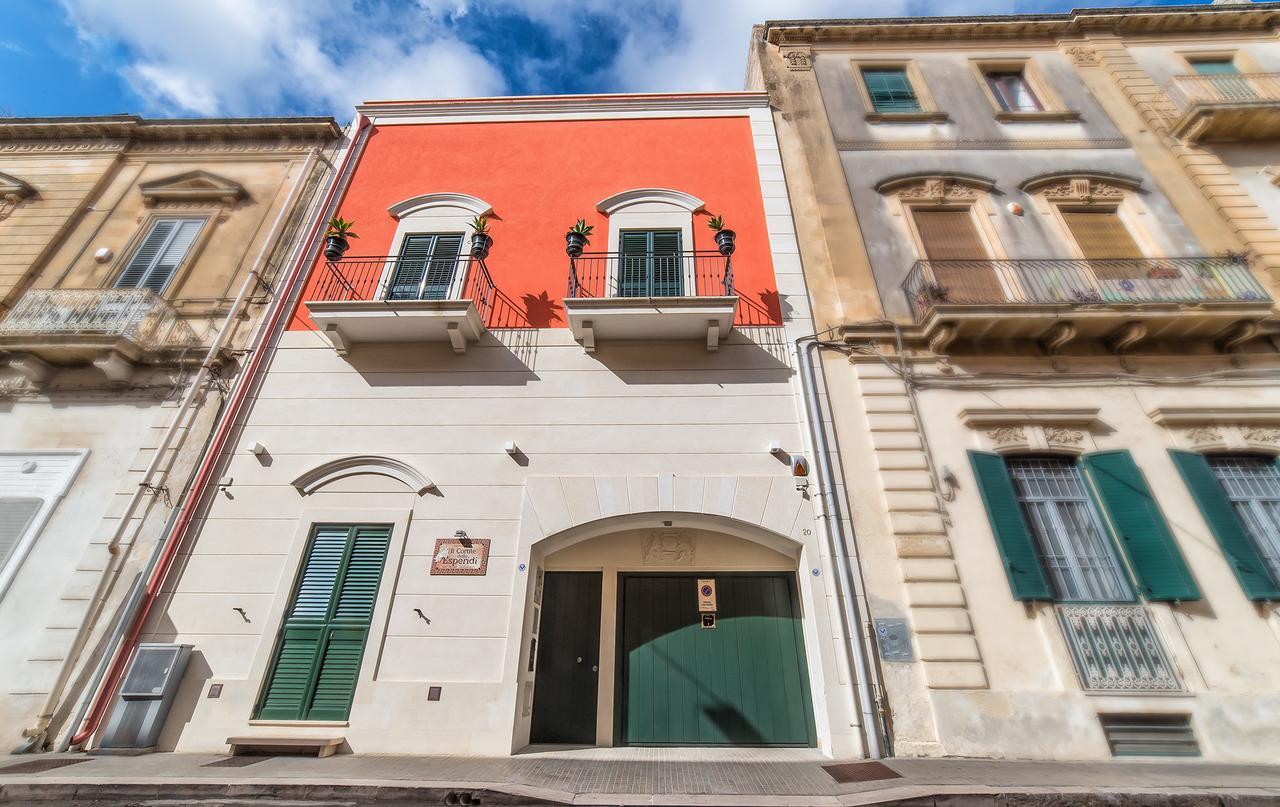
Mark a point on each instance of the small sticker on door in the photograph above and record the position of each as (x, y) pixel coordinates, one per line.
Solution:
(706, 595)
(708, 620)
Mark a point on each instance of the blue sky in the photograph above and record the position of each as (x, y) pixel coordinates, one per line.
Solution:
(287, 57)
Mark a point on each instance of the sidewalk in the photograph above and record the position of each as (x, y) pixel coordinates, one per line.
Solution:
(627, 776)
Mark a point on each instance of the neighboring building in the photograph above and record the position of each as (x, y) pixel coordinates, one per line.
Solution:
(124, 245)
(487, 487)
(1059, 366)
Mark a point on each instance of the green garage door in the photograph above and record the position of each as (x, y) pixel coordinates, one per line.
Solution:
(742, 682)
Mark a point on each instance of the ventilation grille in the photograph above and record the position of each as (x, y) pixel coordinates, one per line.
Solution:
(1150, 735)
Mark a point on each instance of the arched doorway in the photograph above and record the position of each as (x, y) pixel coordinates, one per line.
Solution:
(685, 635)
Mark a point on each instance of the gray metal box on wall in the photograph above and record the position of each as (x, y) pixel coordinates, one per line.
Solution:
(148, 691)
(894, 640)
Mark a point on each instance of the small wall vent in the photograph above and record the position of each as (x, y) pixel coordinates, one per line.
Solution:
(1132, 735)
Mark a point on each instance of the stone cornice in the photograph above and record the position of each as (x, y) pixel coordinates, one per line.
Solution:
(1124, 21)
(1195, 415)
(120, 129)
(1083, 417)
(566, 105)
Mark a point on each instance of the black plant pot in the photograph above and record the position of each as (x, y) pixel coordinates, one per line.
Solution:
(335, 246)
(725, 240)
(574, 243)
(480, 244)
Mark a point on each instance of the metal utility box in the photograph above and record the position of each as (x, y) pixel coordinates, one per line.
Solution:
(148, 691)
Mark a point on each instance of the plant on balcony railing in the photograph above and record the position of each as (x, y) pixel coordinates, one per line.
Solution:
(481, 241)
(138, 315)
(725, 239)
(684, 274)
(335, 238)
(578, 238)
(395, 278)
(1120, 281)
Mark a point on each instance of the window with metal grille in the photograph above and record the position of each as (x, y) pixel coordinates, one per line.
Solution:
(1252, 485)
(160, 254)
(1073, 545)
(1013, 91)
(890, 89)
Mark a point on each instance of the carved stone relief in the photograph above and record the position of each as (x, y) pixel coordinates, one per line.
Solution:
(1007, 435)
(798, 59)
(1084, 191)
(1062, 436)
(667, 549)
(1261, 434)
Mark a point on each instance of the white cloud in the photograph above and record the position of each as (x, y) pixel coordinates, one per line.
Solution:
(245, 57)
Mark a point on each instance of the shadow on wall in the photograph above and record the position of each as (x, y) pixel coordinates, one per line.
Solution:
(195, 683)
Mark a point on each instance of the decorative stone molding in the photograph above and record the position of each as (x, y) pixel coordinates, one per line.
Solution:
(192, 189)
(937, 188)
(1195, 415)
(1061, 436)
(474, 206)
(1227, 427)
(994, 144)
(1201, 435)
(798, 58)
(670, 548)
(12, 192)
(1083, 56)
(1084, 418)
(663, 196)
(1005, 430)
(1261, 434)
(331, 471)
(1082, 187)
(1007, 435)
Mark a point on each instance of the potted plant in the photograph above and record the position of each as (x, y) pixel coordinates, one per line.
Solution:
(336, 241)
(480, 239)
(578, 237)
(724, 238)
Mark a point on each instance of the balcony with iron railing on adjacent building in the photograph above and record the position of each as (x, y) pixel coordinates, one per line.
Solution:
(686, 295)
(115, 329)
(402, 299)
(1225, 106)
(1055, 300)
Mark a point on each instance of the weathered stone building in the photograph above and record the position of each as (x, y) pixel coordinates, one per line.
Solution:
(1058, 355)
(136, 258)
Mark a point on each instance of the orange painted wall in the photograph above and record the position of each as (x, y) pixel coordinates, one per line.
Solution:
(542, 176)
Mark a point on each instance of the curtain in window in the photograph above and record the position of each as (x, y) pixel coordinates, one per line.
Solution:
(1074, 548)
(1013, 92)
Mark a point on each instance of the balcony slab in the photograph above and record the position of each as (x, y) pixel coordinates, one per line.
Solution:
(595, 319)
(346, 323)
(1229, 121)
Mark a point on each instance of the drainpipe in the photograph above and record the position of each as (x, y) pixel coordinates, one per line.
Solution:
(857, 646)
(155, 476)
(167, 551)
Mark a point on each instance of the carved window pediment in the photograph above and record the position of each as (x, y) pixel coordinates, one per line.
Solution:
(1080, 188)
(937, 188)
(192, 188)
(12, 192)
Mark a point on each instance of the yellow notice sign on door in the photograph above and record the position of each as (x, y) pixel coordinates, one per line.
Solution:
(706, 595)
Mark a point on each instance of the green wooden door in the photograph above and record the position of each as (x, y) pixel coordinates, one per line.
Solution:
(317, 659)
(743, 682)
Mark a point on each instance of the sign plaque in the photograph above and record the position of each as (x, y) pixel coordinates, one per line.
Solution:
(706, 595)
(460, 556)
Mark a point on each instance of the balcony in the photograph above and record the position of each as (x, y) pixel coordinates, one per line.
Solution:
(1055, 300)
(1222, 107)
(113, 329)
(687, 296)
(394, 299)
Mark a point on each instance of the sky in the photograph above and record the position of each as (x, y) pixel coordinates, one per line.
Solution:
(224, 58)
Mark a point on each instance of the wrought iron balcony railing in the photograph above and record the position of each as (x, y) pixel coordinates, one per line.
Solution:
(393, 278)
(138, 315)
(1115, 648)
(1080, 282)
(1223, 88)
(686, 274)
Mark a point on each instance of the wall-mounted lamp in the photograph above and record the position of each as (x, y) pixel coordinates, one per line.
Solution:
(510, 447)
(255, 448)
(461, 535)
(951, 482)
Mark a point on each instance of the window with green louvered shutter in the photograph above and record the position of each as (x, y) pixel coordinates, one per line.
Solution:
(1256, 482)
(1013, 538)
(159, 255)
(425, 267)
(321, 645)
(650, 264)
(1140, 527)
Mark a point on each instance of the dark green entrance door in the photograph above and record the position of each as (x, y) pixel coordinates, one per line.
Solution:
(742, 682)
(568, 672)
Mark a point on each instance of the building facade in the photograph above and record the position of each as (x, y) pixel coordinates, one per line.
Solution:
(137, 257)
(1056, 350)
(494, 491)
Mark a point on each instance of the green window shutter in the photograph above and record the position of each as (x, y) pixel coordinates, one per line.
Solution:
(1017, 547)
(425, 267)
(327, 624)
(1225, 524)
(666, 264)
(633, 280)
(890, 90)
(444, 259)
(1140, 526)
(1215, 67)
(289, 684)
